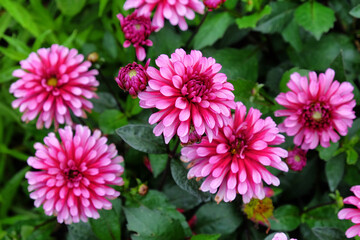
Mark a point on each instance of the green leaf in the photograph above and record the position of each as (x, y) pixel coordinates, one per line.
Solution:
(212, 29)
(69, 40)
(152, 224)
(13, 54)
(179, 197)
(237, 63)
(351, 156)
(334, 170)
(286, 218)
(39, 40)
(108, 226)
(327, 233)
(206, 237)
(132, 106)
(5, 20)
(251, 20)
(179, 174)
(291, 35)
(102, 5)
(21, 15)
(14, 153)
(110, 120)
(327, 153)
(215, 218)
(70, 7)
(105, 101)
(110, 45)
(281, 15)
(17, 44)
(355, 12)
(158, 163)
(8, 193)
(142, 138)
(80, 231)
(315, 18)
(6, 75)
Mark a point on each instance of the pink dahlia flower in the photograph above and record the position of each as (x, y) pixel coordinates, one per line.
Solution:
(236, 160)
(133, 78)
(352, 214)
(296, 159)
(281, 236)
(74, 175)
(190, 94)
(213, 4)
(52, 82)
(315, 109)
(173, 10)
(137, 30)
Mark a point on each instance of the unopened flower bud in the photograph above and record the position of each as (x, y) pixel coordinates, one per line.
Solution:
(143, 189)
(296, 159)
(93, 57)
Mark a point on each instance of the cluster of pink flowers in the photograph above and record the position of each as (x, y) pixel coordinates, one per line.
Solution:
(74, 174)
(296, 159)
(352, 214)
(52, 82)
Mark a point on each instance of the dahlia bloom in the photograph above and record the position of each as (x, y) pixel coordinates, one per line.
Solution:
(173, 10)
(74, 174)
(133, 78)
(352, 214)
(281, 236)
(52, 82)
(137, 30)
(296, 159)
(235, 160)
(190, 94)
(315, 109)
(213, 4)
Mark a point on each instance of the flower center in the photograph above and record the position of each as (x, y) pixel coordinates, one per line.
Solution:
(196, 88)
(297, 158)
(132, 73)
(137, 26)
(73, 175)
(317, 116)
(52, 82)
(238, 147)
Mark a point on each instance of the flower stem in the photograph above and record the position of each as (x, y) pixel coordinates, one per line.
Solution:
(196, 30)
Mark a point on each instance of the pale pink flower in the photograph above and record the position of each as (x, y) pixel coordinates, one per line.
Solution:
(296, 159)
(133, 78)
(315, 109)
(190, 93)
(52, 82)
(74, 174)
(137, 30)
(352, 214)
(281, 236)
(174, 10)
(236, 160)
(213, 4)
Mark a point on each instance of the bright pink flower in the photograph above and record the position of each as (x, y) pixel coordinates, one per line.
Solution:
(213, 4)
(52, 82)
(137, 30)
(314, 110)
(75, 174)
(133, 78)
(190, 94)
(173, 10)
(236, 160)
(296, 159)
(281, 236)
(352, 214)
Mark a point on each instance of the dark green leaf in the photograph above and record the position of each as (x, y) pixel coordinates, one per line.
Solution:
(334, 170)
(158, 163)
(315, 17)
(351, 156)
(327, 153)
(142, 138)
(108, 225)
(205, 237)
(110, 120)
(110, 45)
(80, 231)
(286, 218)
(105, 101)
(215, 218)
(355, 12)
(152, 224)
(132, 106)
(212, 29)
(179, 174)
(291, 35)
(327, 233)
(102, 5)
(70, 7)
(5, 20)
(180, 198)
(251, 20)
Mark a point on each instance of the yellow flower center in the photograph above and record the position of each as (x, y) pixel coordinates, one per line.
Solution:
(132, 73)
(297, 158)
(317, 116)
(52, 81)
(137, 26)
